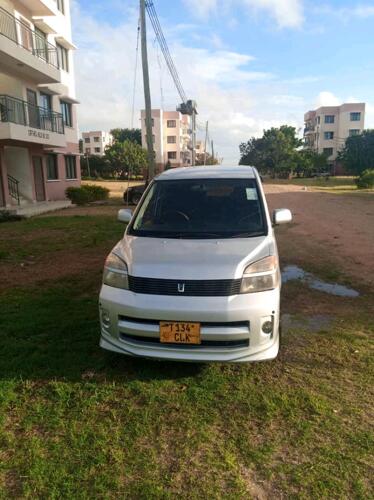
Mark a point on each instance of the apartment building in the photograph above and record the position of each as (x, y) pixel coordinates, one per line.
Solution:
(39, 153)
(95, 142)
(171, 138)
(327, 128)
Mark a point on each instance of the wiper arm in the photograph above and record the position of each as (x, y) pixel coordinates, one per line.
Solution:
(248, 234)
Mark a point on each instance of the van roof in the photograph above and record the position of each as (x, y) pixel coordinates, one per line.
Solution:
(209, 172)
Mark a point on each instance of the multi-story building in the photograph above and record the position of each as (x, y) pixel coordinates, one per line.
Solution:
(39, 153)
(94, 143)
(171, 138)
(328, 127)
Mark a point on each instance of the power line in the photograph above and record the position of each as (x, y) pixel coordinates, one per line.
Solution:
(165, 49)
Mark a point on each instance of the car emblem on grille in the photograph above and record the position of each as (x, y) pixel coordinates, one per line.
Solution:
(181, 287)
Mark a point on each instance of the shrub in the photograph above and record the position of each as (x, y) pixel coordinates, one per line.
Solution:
(366, 179)
(87, 194)
(6, 216)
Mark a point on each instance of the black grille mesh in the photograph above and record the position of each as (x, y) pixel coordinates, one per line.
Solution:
(192, 288)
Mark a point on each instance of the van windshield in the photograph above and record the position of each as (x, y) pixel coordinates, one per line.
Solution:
(201, 208)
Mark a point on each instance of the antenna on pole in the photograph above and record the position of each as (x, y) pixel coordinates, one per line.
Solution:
(147, 94)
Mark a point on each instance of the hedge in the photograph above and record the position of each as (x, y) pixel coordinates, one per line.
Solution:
(366, 179)
(87, 194)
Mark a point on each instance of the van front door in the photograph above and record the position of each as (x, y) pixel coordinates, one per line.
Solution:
(39, 178)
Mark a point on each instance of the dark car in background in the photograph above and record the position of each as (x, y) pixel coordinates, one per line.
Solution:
(133, 194)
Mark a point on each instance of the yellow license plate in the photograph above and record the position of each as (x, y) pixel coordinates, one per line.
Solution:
(172, 332)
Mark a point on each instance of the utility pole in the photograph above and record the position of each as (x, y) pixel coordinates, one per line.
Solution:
(206, 138)
(193, 116)
(147, 94)
(213, 151)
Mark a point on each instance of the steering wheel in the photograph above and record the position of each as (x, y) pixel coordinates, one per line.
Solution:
(178, 214)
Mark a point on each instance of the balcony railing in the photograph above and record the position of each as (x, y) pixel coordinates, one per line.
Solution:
(22, 113)
(21, 34)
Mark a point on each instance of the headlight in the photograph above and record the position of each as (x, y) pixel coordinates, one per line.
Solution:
(115, 272)
(261, 276)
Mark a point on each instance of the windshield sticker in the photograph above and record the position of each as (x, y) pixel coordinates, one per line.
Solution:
(252, 194)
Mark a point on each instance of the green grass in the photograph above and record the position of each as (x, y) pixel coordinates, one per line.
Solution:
(47, 236)
(78, 422)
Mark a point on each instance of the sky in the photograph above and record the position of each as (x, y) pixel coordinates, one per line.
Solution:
(249, 64)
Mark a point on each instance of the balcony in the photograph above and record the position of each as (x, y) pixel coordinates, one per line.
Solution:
(26, 53)
(21, 121)
(41, 7)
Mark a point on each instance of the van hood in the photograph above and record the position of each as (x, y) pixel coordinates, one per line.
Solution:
(191, 259)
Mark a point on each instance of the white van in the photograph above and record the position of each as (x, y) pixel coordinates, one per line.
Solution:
(196, 276)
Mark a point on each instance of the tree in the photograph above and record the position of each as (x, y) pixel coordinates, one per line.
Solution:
(127, 134)
(276, 152)
(309, 162)
(209, 160)
(126, 158)
(99, 166)
(358, 152)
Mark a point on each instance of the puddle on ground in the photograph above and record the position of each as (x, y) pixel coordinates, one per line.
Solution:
(290, 273)
(313, 324)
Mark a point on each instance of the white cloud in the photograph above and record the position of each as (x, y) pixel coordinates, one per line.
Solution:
(286, 13)
(345, 14)
(326, 98)
(202, 8)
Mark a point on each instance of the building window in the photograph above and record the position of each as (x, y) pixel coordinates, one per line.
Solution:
(70, 167)
(45, 101)
(318, 120)
(329, 118)
(172, 155)
(63, 57)
(171, 123)
(355, 117)
(354, 131)
(88, 151)
(97, 150)
(61, 6)
(328, 152)
(96, 139)
(87, 140)
(52, 168)
(66, 113)
(172, 139)
(328, 136)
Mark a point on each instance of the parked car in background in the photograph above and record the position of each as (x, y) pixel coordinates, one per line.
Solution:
(133, 194)
(196, 276)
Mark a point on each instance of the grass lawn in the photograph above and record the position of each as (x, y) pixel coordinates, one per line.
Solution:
(77, 422)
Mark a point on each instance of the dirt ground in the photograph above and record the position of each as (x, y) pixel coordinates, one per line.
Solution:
(338, 228)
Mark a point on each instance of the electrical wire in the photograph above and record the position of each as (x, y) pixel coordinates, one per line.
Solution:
(165, 49)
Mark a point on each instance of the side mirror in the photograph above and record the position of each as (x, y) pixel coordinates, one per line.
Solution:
(124, 215)
(282, 216)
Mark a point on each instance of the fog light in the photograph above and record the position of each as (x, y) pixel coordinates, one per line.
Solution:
(105, 318)
(267, 327)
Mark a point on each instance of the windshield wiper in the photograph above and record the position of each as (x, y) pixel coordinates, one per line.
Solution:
(248, 234)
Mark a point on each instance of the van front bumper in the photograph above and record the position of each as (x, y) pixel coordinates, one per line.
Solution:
(231, 327)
